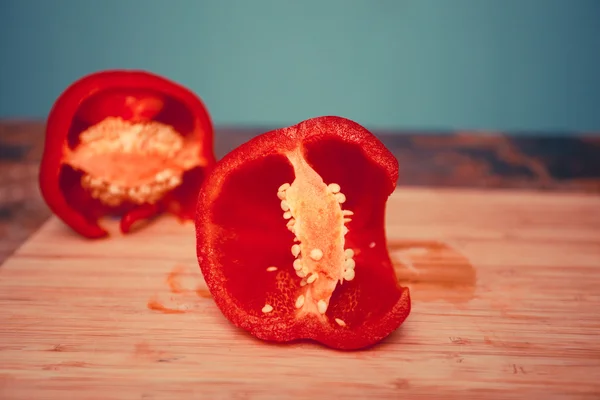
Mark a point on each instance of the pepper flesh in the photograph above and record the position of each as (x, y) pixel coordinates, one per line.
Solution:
(124, 143)
(291, 239)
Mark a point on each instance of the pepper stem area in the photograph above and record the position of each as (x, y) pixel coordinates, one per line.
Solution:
(313, 211)
(136, 163)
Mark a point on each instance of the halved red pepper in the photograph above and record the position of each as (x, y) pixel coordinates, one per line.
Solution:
(125, 143)
(291, 238)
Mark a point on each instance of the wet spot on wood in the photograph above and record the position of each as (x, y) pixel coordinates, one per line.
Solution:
(184, 285)
(433, 271)
(174, 277)
(205, 294)
(400, 384)
(184, 279)
(155, 305)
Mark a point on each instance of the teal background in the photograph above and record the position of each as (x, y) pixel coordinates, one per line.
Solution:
(389, 64)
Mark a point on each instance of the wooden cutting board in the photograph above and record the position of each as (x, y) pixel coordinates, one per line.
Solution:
(506, 290)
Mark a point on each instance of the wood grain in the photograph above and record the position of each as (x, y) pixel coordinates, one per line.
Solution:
(506, 305)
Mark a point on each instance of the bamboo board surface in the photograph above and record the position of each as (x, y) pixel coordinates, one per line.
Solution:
(506, 304)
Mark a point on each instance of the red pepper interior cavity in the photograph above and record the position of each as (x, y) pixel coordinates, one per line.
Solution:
(136, 105)
(121, 161)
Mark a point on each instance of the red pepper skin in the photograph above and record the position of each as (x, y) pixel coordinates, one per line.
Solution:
(134, 96)
(240, 231)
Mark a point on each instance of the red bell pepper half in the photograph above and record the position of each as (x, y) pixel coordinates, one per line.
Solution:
(124, 143)
(291, 238)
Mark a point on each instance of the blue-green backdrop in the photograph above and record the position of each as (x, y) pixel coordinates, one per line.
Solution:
(425, 64)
